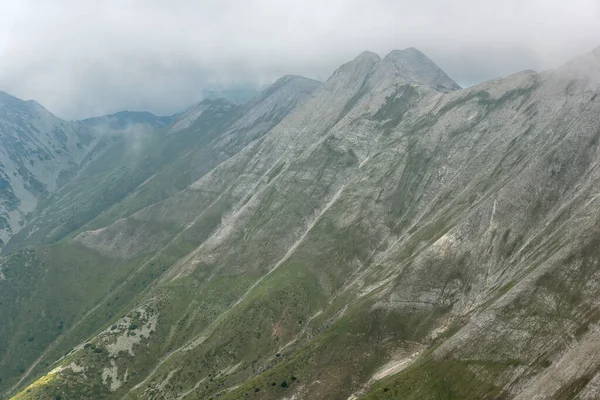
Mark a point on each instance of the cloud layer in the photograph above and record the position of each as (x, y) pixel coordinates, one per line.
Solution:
(82, 58)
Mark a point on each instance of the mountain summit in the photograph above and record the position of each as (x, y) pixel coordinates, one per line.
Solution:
(417, 68)
(409, 65)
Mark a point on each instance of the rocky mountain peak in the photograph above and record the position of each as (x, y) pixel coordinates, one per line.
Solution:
(410, 65)
(6, 98)
(417, 68)
(13, 107)
(9, 103)
(368, 56)
(363, 63)
(292, 79)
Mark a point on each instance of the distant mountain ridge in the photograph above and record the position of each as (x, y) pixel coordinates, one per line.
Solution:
(37, 150)
(126, 120)
(237, 94)
(28, 125)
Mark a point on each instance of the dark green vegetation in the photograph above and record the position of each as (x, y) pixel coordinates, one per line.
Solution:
(380, 235)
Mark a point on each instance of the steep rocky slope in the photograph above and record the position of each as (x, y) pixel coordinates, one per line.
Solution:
(37, 150)
(130, 171)
(382, 234)
(125, 173)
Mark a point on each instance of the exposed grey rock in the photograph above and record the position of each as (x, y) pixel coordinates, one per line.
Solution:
(417, 68)
(36, 149)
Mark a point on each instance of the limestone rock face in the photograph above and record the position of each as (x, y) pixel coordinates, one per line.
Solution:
(417, 68)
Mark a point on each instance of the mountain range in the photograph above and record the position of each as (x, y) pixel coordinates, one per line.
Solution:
(384, 234)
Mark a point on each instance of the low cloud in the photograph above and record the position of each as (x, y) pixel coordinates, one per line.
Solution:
(84, 58)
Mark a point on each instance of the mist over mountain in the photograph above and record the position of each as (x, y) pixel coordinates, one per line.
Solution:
(383, 234)
(236, 94)
(127, 120)
(86, 59)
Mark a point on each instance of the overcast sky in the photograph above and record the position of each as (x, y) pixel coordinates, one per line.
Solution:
(81, 58)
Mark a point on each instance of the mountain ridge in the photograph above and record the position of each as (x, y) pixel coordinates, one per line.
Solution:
(38, 150)
(379, 235)
(127, 120)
